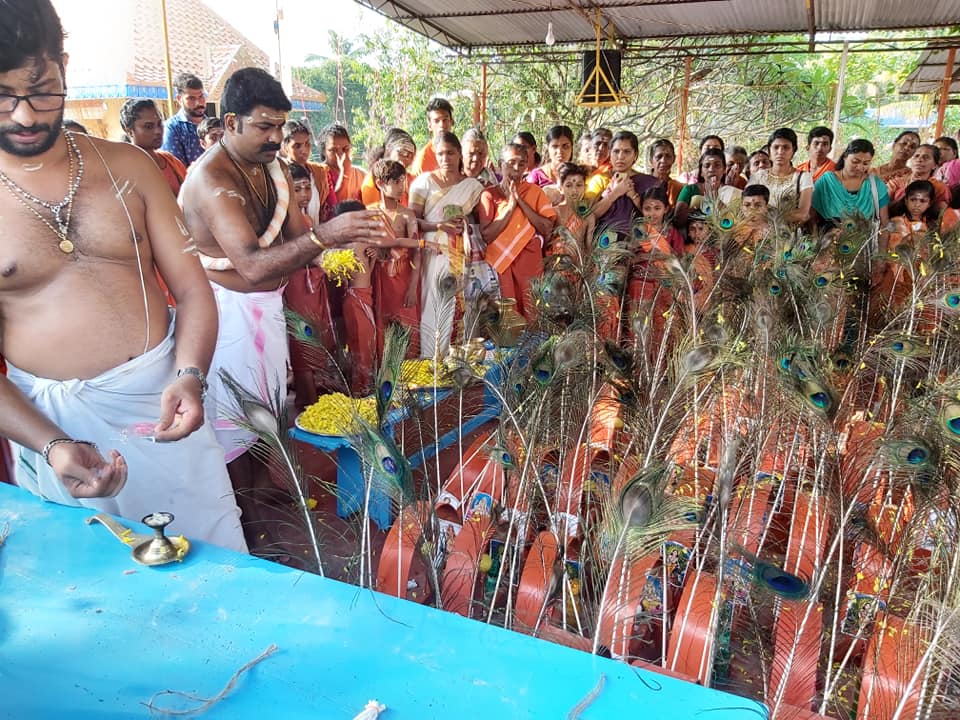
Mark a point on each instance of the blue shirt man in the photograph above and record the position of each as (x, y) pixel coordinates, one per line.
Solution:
(180, 131)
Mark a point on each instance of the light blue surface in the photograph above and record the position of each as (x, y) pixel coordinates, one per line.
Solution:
(82, 637)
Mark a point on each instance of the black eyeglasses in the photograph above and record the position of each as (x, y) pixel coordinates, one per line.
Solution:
(40, 102)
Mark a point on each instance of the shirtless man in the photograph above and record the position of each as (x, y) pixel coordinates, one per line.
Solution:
(86, 332)
(233, 204)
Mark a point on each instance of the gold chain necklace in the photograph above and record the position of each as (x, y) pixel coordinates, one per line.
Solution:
(63, 210)
(249, 182)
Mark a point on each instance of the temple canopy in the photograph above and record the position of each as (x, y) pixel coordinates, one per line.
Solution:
(516, 23)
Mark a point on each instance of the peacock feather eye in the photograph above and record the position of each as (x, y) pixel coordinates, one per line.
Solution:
(788, 254)
(785, 363)
(950, 418)
(841, 361)
(781, 274)
(780, 582)
(905, 347)
(604, 240)
(849, 225)
(726, 222)
(583, 209)
(706, 207)
(389, 465)
(775, 288)
(386, 389)
(821, 281)
(820, 399)
(951, 300)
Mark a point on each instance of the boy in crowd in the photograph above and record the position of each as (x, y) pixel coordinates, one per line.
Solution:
(397, 277)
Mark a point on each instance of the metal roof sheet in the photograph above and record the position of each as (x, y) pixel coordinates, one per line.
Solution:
(493, 23)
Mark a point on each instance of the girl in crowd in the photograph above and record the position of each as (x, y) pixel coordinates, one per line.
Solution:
(911, 218)
(647, 298)
(904, 146)
(442, 199)
(572, 186)
(922, 165)
(791, 191)
(711, 170)
(852, 187)
(559, 142)
(661, 156)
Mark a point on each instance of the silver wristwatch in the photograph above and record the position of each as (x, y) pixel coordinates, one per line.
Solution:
(199, 375)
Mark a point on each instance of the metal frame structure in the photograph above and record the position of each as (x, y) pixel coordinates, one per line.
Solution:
(630, 25)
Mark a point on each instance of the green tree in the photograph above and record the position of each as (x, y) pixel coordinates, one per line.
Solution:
(388, 78)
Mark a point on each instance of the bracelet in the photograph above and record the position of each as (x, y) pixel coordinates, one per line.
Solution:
(60, 441)
(200, 376)
(422, 243)
(316, 241)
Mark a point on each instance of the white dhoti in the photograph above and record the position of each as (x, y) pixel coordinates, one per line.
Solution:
(252, 346)
(187, 478)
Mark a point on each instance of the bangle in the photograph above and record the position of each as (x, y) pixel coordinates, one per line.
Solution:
(199, 375)
(422, 243)
(60, 441)
(315, 240)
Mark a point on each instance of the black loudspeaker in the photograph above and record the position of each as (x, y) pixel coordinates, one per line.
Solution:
(601, 87)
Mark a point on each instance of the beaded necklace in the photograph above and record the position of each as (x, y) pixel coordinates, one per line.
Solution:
(63, 210)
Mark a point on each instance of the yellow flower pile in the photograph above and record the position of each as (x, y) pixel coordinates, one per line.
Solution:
(340, 265)
(421, 373)
(336, 414)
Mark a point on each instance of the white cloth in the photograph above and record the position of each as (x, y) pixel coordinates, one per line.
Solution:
(437, 313)
(187, 478)
(252, 346)
(783, 191)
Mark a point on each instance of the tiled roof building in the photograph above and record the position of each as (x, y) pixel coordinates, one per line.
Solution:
(116, 52)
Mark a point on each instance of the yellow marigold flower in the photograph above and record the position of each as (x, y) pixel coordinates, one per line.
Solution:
(336, 414)
(340, 265)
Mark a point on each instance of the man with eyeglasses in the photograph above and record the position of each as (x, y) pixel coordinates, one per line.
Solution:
(180, 136)
(94, 355)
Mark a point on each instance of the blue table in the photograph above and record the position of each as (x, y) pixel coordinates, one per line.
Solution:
(82, 637)
(351, 485)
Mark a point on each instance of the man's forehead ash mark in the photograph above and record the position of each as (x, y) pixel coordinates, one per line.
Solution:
(269, 116)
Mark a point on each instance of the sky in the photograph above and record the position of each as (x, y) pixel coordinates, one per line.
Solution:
(305, 24)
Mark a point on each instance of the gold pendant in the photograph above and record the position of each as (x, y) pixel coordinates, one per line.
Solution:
(66, 246)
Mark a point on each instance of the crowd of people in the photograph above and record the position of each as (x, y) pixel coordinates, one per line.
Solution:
(173, 258)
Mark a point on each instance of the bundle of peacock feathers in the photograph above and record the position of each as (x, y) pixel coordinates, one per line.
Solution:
(738, 465)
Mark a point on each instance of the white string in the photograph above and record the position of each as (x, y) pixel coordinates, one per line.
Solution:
(371, 711)
(133, 236)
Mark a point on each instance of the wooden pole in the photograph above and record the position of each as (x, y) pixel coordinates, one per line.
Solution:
(838, 101)
(684, 98)
(945, 92)
(166, 56)
(483, 96)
